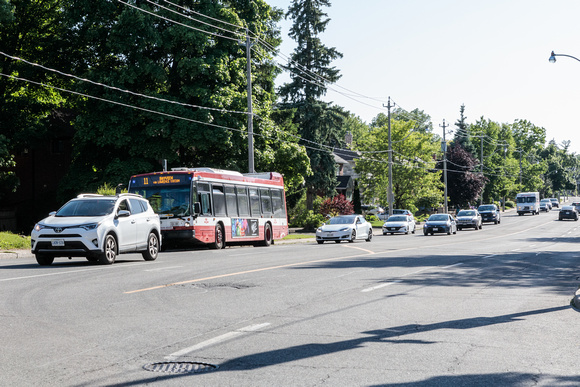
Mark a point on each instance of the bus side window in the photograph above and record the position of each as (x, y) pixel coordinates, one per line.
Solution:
(219, 200)
(254, 202)
(231, 201)
(266, 201)
(277, 201)
(243, 206)
(205, 203)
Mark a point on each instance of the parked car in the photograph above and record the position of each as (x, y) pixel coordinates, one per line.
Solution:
(489, 213)
(399, 223)
(555, 202)
(384, 216)
(345, 228)
(443, 223)
(545, 205)
(468, 219)
(568, 212)
(98, 228)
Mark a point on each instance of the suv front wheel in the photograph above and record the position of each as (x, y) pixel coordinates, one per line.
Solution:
(110, 253)
(152, 247)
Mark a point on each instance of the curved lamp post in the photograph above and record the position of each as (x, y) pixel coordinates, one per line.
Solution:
(553, 57)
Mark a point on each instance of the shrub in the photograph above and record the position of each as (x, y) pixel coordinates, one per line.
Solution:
(312, 221)
(338, 205)
(298, 216)
(509, 204)
(371, 218)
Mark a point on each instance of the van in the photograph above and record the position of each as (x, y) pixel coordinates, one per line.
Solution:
(528, 202)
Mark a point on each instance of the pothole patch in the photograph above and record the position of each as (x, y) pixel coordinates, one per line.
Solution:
(180, 367)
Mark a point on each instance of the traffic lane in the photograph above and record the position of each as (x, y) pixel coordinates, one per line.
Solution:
(377, 334)
(184, 299)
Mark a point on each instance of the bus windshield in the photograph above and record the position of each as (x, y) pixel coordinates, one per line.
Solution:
(168, 200)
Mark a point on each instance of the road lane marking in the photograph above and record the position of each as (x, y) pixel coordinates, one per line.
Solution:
(76, 271)
(164, 268)
(406, 275)
(359, 248)
(216, 340)
(381, 286)
(247, 272)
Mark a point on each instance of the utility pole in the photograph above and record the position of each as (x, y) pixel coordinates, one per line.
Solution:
(250, 113)
(390, 151)
(444, 149)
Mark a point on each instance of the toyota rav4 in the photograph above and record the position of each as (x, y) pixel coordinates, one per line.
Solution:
(99, 228)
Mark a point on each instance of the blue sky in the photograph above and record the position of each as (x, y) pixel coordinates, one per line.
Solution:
(490, 55)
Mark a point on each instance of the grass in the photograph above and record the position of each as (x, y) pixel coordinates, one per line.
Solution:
(9, 241)
(296, 236)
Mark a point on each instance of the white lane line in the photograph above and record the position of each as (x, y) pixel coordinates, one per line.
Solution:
(380, 286)
(164, 268)
(365, 290)
(216, 340)
(116, 266)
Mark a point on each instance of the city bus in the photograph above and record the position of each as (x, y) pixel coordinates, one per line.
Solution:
(216, 207)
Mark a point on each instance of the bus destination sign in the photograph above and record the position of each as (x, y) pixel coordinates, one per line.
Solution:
(153, 180)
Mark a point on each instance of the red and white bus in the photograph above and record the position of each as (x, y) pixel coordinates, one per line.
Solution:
(216, 207)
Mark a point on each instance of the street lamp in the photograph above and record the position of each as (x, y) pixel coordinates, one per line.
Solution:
(553, 57)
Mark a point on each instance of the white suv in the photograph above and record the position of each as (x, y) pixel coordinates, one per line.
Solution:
(98, 227)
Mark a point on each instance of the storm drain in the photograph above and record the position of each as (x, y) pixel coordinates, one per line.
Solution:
(180, 367)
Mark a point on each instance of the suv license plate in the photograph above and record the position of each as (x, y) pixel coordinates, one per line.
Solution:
(435, 229)
(57, 242)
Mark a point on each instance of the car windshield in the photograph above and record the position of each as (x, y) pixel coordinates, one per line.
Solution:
(438, 217)
(545, 201)
(87, 207)
(342, 220)
(466, 213)
(486, 208)
(397, 218)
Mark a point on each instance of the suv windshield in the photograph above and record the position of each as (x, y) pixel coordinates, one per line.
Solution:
(87, 207)
(486, 208)
(466, 213)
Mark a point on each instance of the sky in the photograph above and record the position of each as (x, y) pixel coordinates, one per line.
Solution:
(491, 56)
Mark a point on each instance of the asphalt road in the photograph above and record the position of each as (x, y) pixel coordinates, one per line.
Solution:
(483, 307)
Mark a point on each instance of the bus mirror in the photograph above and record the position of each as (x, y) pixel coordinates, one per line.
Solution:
(197, 208)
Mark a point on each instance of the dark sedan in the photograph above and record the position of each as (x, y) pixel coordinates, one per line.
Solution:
(443, 223)
(568, 212)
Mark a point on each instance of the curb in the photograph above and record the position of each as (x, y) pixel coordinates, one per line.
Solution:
(16, 254)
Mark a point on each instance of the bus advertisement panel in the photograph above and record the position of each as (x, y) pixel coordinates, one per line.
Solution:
(216, 207)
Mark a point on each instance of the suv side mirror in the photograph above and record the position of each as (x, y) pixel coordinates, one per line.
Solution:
(123, 214)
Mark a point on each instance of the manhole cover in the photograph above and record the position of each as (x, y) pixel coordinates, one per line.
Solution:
(180, 367)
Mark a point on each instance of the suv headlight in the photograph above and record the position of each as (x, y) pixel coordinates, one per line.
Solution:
(38, 227)
(89, 226)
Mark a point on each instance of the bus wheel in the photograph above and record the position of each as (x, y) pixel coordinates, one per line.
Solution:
(219, 242)
(267, 235)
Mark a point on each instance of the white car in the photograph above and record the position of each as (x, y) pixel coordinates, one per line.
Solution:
(98, 227)
(345, 228)
(399, 223)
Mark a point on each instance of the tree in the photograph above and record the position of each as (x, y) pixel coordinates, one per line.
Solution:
(463, 136)
(310, 72)
(201, 70)
(415, 182)
(464, 183)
